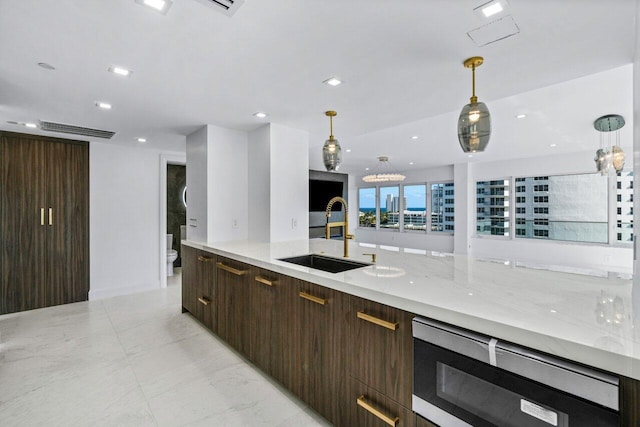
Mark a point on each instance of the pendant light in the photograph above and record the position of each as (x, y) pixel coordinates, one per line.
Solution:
(609, 158)
(331, 152)
(474, 123)
(384, 172)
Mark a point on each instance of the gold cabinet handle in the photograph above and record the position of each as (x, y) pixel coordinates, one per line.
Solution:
(41, 216)
(231, 269)
(379, 414)
(389, 325)
(50, 216)
(312, 298)
(204, 300)
(205, 258)
(265, 281)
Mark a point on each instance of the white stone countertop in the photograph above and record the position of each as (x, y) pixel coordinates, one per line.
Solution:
(585, 316)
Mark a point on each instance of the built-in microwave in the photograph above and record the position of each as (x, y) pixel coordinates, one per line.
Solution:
(464, 379)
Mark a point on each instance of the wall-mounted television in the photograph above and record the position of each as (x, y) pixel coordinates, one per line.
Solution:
(320, 192)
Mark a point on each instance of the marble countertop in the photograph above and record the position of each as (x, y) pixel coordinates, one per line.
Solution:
(585, 316)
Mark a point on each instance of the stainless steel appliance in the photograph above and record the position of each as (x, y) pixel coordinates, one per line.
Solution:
(463, 379)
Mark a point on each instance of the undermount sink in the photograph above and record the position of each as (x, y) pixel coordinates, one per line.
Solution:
(325, 263)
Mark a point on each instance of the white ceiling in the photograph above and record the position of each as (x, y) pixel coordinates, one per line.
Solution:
(401, 62)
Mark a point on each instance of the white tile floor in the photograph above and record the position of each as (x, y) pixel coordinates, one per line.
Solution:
(134, 360)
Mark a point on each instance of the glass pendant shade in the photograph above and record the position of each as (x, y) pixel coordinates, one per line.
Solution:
(474, 123)
(331, 151)
(612, 158)
(474, 127)
(331, 154)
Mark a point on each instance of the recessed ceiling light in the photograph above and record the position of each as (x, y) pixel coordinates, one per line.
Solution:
(410, 163)
(366, 169)
(521, 116)
(121, 71)
(31, 125)
(141, 140)
(470, 155)
(103, 105)
(260, 115)
(46, 66)
(553, 145)
(333, 81)
(161, 6)
(491, 8)
(348, 150)
(414, 137)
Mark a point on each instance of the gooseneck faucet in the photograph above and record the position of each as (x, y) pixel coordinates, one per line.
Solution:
(345, 234)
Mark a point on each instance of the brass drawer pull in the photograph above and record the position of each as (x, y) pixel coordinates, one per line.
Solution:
(50, 216)
(41, 216)
(265, 281)
(311, 298)
(205, 258)
(382, 416)
(204, 300)
(231, 269)
(389, 325)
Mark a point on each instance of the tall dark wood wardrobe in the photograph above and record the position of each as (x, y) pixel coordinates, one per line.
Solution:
(44, 221)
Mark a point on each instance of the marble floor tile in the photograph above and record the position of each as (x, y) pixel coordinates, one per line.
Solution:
(133, 360)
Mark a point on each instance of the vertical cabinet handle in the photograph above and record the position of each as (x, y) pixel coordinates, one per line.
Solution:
(231, 270)
(41, 216)
(368, 318)
(265, 281)
(50, 216)
(379, 414)
(312, 298)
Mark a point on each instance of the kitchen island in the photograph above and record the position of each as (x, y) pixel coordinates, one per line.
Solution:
(589, 317)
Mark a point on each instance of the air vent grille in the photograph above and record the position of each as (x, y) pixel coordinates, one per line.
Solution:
(76, 130)
(228, 7)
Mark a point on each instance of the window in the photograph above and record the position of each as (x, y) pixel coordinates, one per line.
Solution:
(521, 199)
(367, 207)
(521, 232)
(492, 217)
(619, 211)
(520, 221)
(390, 207)
(440, 205)
(619, 197)
(521, 210)
(575, 208)
(415, 211)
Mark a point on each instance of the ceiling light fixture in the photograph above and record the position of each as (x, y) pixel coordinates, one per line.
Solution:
(31, 125)
(384, 172)
(521, 116)
(474, 123)
(333, 81)
(609, 158)
(103, 105)
(161, 6)
(331, 151)
(491, 8)
(414, 137)
(141, 140)
(260, 115)
(121, 71)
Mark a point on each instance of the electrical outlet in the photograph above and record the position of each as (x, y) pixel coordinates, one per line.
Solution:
(294, 223)
(234, 223)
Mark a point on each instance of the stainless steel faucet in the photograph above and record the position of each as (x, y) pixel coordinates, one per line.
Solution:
(345, 234)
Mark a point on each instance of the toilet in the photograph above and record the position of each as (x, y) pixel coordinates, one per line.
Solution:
(172, 255)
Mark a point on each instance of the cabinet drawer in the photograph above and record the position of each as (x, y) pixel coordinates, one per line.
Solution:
(381, 348)
(369, 408)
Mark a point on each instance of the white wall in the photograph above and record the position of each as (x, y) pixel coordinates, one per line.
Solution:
(227, 184)
(289, 177)
(124, 219)
(259, 184)
(197, 185)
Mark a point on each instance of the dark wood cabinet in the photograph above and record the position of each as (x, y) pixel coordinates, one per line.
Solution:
(421, 422)
(271, 323)
(381, 348)
(629, 402)
(319, 377)
(234, 304)
(44, 221)
(199, 286)
(369, 408)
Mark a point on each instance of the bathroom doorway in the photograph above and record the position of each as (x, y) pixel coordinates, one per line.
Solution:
(171, 204)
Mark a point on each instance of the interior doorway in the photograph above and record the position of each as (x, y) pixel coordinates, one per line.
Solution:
(165, 161)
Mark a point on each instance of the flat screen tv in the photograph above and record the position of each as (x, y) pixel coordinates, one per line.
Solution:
(320, 192)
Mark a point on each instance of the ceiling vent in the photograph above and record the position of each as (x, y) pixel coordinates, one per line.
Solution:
(75, 130)
(228, 7)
